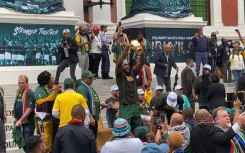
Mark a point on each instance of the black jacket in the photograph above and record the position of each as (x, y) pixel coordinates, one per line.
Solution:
(241, 83)
(200, 138)
(187, 80)
(216, 96)
(160, 61)
(74, 138)
(73, 58)
(221, 140)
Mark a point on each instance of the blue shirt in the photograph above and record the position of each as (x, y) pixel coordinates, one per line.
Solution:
(201, 44)
(104, 38)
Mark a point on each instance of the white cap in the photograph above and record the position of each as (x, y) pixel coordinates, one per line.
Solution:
(178, 87)
(140, 92)
(172, 99)
(66, 30)
(207, 67)
(114, 88)
(159, 88)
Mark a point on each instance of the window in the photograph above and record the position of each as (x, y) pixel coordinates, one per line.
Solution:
(200, 8)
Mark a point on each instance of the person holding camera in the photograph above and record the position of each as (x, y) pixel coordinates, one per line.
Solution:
(202, 49)
(68, 51)
(118, 46)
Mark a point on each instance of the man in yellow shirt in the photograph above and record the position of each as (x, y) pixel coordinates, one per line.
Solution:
(64, 103)
(83, 43)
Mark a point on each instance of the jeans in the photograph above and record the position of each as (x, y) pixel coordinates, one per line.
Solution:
(28, 131)
(226, 65)
(94, 62)
(164, 81)
(200, 57)
(2, 137)
(237, 74)
(94, 129)
(105, 66)
(61, 68)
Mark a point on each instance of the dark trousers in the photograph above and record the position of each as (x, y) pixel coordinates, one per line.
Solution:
(94, 128)
(212, 62)
(94, 62)
(105, 66)
(164, 81)
(2, 137)
(226, 65)
(65, 63)
(28, 131)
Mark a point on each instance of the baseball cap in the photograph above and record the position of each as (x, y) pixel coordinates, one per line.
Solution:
(141, 132)
(178, 87)
(114, 88)
(69, 83)
(213, 34)
(87, 74)
(96, 28)
(103, 26)
(66, 31)
(140, 92)
(206, 66)
(159, 88)
(154, 148)
(172, 99)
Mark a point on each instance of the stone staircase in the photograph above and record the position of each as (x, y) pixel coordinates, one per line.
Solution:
(102, 87)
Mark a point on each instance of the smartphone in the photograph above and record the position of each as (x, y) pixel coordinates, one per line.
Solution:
(235, 97)
(236, 30)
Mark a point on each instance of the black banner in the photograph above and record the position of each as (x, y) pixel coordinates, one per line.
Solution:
(30, 45)
(33, 6)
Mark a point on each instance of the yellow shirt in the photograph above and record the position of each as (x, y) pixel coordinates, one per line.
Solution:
(80, 39)
(64, 103)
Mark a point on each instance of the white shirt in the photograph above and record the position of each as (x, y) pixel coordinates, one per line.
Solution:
(96, 45)
(123, 145)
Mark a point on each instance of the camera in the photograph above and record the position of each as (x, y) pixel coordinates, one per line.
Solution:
(236, 30)
(64, 43)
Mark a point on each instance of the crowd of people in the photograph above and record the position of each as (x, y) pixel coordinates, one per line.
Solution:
(68, 120)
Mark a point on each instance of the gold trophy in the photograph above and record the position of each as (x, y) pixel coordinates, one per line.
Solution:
(137, 47)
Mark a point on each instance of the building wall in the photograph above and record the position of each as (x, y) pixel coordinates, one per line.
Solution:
(230, 12)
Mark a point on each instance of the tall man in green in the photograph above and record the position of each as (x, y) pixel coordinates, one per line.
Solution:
(84, 87)
(126, 81)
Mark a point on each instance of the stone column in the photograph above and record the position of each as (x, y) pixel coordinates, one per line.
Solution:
(99, 15)
(77, 7)
(216, 13)
(241, 13)
(121, 9)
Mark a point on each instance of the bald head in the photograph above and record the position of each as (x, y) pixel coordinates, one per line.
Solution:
(176, 119)
(78, 112)
(168, 48)
(202, 116)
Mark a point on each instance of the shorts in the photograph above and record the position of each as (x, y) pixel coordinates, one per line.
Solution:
(14, 57)
(7, 55)
(1, 56)
(46, 57)
(53, 58)
(21, 57)
(38, 55)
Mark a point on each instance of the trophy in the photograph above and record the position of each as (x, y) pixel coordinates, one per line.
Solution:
(137, 47)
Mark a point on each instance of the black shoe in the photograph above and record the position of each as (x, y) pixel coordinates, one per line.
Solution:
(107, 77)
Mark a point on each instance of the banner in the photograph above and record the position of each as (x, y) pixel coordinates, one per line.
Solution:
(164, 8)
(33, 6)
(30, 45)
(179, 38)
